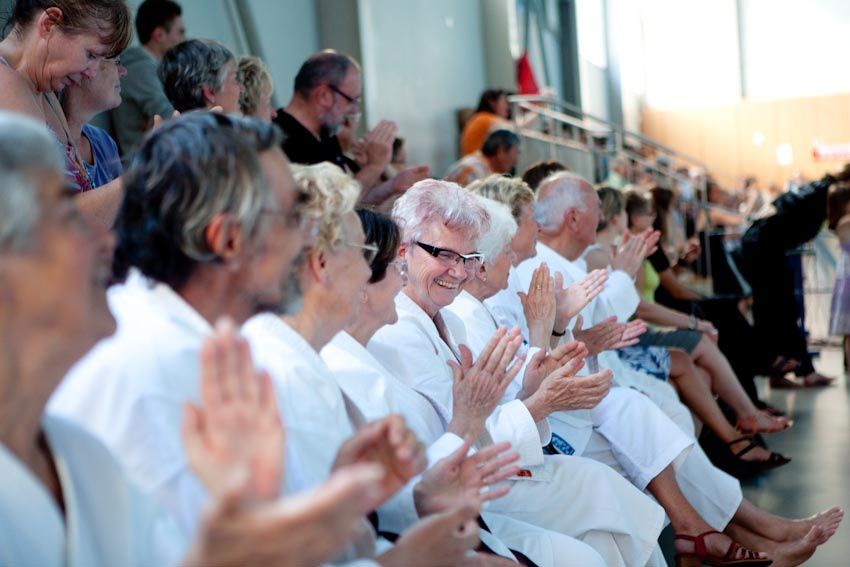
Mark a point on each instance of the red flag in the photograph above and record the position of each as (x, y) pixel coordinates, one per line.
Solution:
(525, 76)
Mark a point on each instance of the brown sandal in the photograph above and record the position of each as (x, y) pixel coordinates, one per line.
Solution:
(735, 555)
(775, 460)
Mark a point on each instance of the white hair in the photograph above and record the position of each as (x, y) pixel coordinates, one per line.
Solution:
(26, 149)
(502, 229)
(432, 201)
(557, 194)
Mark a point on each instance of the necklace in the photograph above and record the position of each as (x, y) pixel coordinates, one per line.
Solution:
(81, 176)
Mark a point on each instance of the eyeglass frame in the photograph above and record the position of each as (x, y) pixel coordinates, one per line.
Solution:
(370, 251)
(355, 100)
(435, 251)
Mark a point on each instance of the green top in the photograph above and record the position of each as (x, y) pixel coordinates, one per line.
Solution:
(651, 281)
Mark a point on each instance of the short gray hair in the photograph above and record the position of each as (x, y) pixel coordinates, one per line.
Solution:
(502, 229)
(190, 66)
(26, 150)
(433, 201)
(328, 66)
(559, 193)
(186, 172)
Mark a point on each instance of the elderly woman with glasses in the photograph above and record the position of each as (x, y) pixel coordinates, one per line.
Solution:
(442, 226)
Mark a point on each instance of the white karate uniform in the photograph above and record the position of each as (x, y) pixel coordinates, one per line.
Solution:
(377, 394)
(595, 504)
(130, 389)
(713, 493)
(606, 433)
(107, 520)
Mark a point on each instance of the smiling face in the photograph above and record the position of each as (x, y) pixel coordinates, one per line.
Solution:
(433, 283)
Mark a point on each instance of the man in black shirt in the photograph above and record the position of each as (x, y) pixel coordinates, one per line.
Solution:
(328, 90)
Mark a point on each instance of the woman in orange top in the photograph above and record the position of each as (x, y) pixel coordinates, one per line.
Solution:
(491, 114)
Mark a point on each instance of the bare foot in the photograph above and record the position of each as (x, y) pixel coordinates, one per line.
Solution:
(815, 379)
(793, 553)
(717, 545)
(829, 520)
(761, 422)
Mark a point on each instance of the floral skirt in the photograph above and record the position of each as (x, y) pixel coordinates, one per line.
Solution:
(652, 360)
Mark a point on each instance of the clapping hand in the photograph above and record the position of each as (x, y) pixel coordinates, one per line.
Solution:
(379, 144)
(460, 475)
(633, 250)
(609, 334)
(538, 305)
(234, 440)
(544, 363)
(571, 300)
(391, 444)
(310, 528)
(478, 388)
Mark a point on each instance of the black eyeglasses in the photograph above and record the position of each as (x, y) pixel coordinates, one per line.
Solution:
(353, 100)
(450, 257)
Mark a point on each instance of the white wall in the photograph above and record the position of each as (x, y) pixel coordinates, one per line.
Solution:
(795, 49)
(421, 62)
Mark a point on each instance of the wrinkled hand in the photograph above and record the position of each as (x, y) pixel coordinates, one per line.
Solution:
(460, 475)
(307, 529)
(542, 364)
(235, 439)
(391, 444)
(573, 299)
(440, 540)
(538, 305)
(379, 144)
(563, 391)
(478, 388)
(609, 334)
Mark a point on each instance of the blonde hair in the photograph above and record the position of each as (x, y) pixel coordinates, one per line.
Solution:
(331, 194)
(510, 191)
(253, 74)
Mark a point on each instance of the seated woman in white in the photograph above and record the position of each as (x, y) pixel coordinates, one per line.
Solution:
(418, 351)
(377, 394)
(65, 500)
(715, 495)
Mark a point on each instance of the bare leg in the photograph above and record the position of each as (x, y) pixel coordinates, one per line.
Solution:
(783, 554)
(698, 397)
(683, 517)
(779, 529)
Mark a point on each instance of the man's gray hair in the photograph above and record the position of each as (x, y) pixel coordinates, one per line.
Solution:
(557, 194)
(502, 229)
(433, 202)
(190, 66)
(188, 171)
(26, 150)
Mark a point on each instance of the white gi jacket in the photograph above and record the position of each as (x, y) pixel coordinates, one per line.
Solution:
(108, 521)
(713, 493)
(130, 389)
(413, 352)
(377, 394)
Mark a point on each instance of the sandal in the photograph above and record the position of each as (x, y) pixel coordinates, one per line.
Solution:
(775, 460)
(748, 425)
(772, 410)
(780, 382)
(815, 380)
(735, 555)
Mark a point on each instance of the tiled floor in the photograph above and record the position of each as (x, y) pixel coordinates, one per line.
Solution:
(819, 443)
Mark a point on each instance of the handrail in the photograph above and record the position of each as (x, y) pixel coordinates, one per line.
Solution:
(529, 100)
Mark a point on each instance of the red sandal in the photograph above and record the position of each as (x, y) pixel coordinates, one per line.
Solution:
(735, 555)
